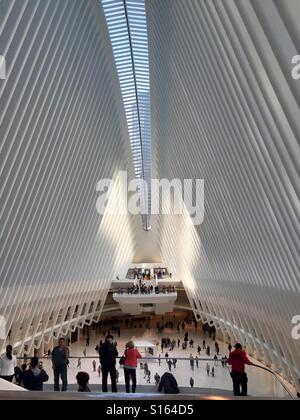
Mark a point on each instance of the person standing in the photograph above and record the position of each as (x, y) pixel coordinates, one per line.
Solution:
(192, 382)
(108, 354)
(237, 360)
(130, 365)
(8, 363)
(170, 365)
(94, 365)
(60, 361)
(34, 377)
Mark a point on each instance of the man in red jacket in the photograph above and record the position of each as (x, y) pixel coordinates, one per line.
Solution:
(238, 359)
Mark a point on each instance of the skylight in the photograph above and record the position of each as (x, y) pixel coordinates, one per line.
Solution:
(127, 25)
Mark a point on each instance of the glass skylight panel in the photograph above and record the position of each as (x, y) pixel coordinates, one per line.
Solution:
(127, 25)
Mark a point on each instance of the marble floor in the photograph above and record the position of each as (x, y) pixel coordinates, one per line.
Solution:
(261, 384)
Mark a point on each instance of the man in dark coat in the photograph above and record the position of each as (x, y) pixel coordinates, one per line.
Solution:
(108, 354)
(60, 361)
(34, 377)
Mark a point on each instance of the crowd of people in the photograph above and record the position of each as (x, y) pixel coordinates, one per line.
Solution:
(143, 289)
(32, 376)
(145, 274)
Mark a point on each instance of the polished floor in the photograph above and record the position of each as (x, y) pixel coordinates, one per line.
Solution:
(261, 384)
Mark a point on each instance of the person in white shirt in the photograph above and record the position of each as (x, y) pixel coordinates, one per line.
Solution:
(8, 362)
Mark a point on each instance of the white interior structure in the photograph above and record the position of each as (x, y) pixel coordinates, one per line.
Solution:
(224, 109)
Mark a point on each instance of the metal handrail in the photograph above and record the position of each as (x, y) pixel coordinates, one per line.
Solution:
(277, 378)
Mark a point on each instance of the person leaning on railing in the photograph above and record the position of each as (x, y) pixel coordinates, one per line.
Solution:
(238, 360)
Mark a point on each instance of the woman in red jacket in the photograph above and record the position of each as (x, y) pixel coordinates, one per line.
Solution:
(131, 360)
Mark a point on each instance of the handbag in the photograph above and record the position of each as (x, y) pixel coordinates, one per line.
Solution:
(122, 360)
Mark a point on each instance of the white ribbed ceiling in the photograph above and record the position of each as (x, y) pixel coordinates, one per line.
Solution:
(226, 109)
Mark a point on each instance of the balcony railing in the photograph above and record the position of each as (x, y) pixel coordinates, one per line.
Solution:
(193, 377)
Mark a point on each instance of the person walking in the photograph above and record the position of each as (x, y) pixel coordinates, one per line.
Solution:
(94, 365)
(157, 379)
(60, 360)
(34, 377)
(79, 363)
(108, 354)
(207, 369)
(197, 362)
(204, 345)
(213, 372)
(148, 376)
(8, 363)
(192, 382)
(170, 365)
(238, 359)
(159, 360)
(145, 368)
(192, 362)
(99, 370)
(130, 365)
